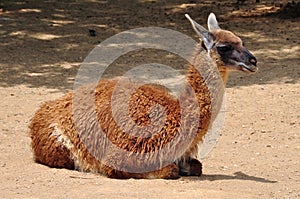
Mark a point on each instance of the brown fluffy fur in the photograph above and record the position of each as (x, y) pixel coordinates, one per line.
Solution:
(56, 143)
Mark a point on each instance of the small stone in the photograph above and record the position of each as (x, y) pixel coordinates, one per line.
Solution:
(92, 33)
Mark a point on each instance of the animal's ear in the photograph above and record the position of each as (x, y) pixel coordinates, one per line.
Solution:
(212, 22)
(205, 35)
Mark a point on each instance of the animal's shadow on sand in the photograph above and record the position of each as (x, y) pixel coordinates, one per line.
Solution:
(236, 176)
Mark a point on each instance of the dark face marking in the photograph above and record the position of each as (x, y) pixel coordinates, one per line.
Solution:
(236, 56)
(233, 53)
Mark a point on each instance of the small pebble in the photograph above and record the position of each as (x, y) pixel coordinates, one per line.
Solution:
(92, 33)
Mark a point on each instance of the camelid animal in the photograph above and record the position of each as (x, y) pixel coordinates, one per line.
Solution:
(56, 141)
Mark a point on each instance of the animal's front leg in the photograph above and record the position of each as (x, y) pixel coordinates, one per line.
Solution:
(190, 167)
(168, 172)
(122, 165)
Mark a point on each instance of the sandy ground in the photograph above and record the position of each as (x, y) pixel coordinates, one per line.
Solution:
(257, 156)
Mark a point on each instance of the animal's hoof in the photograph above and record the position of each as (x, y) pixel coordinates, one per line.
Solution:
(196, 167)
(191, 167)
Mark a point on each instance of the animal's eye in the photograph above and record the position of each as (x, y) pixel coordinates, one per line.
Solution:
(224, 49)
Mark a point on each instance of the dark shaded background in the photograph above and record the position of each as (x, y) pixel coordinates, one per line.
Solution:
(44, 42)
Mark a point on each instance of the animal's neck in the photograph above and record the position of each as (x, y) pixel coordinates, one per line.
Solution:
(224, 72)
(202, 61)
(224, 75)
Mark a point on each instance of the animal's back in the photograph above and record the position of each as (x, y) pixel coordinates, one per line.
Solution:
(56, 141)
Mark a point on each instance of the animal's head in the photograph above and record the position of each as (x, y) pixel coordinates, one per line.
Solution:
(231, 52)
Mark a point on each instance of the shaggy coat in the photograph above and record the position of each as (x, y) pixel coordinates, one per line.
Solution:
(56, 143)
(65, 135)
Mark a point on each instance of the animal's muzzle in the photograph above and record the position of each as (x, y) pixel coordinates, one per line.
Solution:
(251, 59)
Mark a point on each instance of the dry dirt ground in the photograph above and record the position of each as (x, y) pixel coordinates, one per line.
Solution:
(257, 156)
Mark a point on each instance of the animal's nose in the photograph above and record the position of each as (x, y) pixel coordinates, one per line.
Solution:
(250, 57)
(253, 61)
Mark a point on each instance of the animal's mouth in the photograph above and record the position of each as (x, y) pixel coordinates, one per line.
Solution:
(248, 69)
(241, 66)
